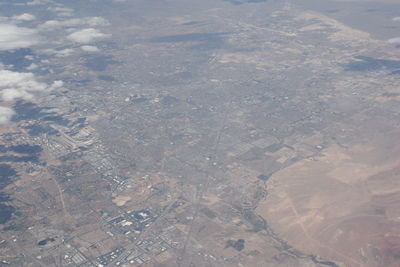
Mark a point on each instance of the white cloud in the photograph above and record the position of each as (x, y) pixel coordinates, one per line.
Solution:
(90, 48)
(21, 85)
(87, 36)
(396, 19)
(394, 40)
(62, 11)
(5, 114)
(65, 52)
(24, 17)
(39, 2)
(48, 52)
(32, 66)
(12, 94)
(57, 24)
(57, 84)
(14, 37)
(96, 21)
(58, 53)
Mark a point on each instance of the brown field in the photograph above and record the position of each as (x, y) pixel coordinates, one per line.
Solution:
(342, 205)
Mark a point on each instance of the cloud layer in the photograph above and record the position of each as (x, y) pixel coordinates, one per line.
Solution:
(58, 24)
(62, 28)
(5, 115)
(87, 36)
(21, 85)
(14, 37)
(90, 48)
(24, 17)
(394, 40)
